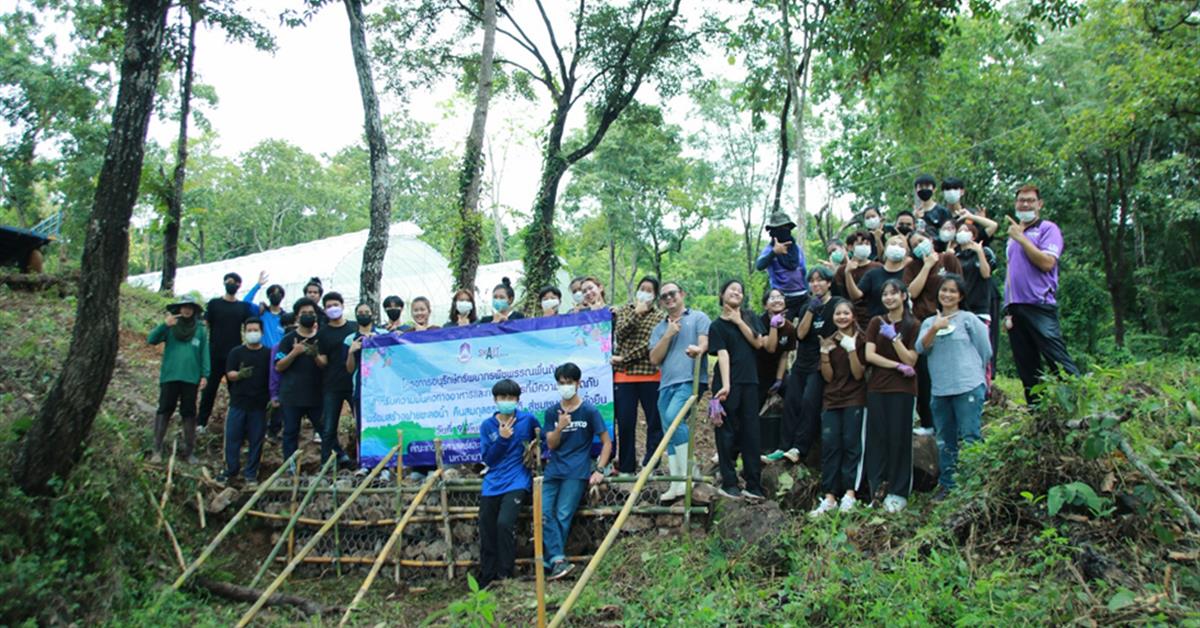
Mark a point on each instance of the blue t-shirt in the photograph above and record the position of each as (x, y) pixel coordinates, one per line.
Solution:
(504, 456)
(272, 330)
(572, 459)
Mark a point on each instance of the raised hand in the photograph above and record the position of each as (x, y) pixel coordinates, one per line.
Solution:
(171, 319)
(506, 428)
(888, 331)
(673, 327)
(778, 320)
(564, 419)
(262, 278)
(1015, 229)
(779, 248)
(847, 343)
(941, 322)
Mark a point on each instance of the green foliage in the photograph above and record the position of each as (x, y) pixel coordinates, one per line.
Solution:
(1073, 494)
(477, 609)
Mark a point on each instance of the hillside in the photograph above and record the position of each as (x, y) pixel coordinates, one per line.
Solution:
(1053, 523)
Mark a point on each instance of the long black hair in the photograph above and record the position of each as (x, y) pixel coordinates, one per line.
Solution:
(899, 286)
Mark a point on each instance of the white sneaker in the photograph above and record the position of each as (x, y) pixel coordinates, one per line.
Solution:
(894, 503)
(316, 437)
(793, 455)
(923, 431)
(200, 430)
(848, 503)
(825, 506)
(715, 458)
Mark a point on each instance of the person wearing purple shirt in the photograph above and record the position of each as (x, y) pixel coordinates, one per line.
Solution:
(1030, 308)
(783, 259)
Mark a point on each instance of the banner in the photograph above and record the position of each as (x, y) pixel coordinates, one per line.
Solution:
(438, 383)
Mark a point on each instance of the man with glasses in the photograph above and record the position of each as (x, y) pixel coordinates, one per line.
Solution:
(674, 345)
(1031, 311)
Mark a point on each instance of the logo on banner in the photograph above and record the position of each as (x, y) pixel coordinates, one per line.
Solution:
(464, 353)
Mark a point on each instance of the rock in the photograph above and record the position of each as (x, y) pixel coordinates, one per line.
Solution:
(703, 493)
(636, 524)
(925, 454)
(750, 528)
(222, 500)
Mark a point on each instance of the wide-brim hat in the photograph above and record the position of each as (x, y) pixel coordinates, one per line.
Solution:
(779, 219)
(186, 299)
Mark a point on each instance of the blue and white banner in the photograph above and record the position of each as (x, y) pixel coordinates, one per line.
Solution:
(438, 383)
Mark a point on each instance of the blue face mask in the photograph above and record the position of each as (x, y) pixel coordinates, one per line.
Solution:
(923, 249)
(506, 407)
(499, 304)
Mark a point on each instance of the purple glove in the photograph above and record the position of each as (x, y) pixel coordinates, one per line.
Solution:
(906, 370)
(775, 387)
(815, 305)
(716, 412)
(777, 320)
(888, 330)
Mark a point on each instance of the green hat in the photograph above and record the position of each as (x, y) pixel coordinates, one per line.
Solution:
(186, 299)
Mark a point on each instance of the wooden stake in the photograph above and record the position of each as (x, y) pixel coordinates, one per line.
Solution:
(539, 568)
(449, 538)
(291, 536)
(399, 496)
(200, 509)
(691, 457)
(162, 503)
(170, 534)
(290, 531)
(387, 547)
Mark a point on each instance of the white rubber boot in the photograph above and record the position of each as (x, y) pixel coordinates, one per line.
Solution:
(675, 491)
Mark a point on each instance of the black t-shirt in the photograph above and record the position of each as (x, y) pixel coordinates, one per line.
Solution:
(512, 316)
(808, 348)
(225, 325)
(871, 285)
(300, 384)
(253, 392)
(723, 334)
(934, 218)
(332, 344)
(979, 289)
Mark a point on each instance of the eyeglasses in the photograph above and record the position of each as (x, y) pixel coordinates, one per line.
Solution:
(670, 294)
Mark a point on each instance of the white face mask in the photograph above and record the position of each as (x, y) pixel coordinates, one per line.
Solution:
(962, 237)
(862, 251)
(577, 296)
(894, 253)
(952, 196)
(549, 304)
(463, 307)
(566, 391)
(644, 297)
(871, 224)
(253, 337)
(1026, 216)
(946, 235)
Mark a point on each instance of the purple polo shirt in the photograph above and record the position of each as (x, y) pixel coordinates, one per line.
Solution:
(1027, 283)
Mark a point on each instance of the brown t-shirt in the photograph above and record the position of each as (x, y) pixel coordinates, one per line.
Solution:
(844, 391)
(840, 290)
(925, 304)
(885, 380)
(768, 363)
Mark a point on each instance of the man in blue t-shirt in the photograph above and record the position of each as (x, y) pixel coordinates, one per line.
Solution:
(502, 440)
(569, 429)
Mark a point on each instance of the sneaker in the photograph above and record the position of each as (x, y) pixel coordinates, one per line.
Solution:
(922, 431)
(774, 456)
(272, 438)
(316, 437)
(156, 458)
(793, 455)
(827, 504)
(385, 476)
(848, 503)
(221, 480)
(250, 485)
(361, 473)
(484, 470)
(753, 496)
(894, 503)
(716, 458)
(941, 494)
(732, 492)
(560, 569)
(201, 429)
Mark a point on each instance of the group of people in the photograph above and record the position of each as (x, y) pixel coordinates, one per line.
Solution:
(902, 319)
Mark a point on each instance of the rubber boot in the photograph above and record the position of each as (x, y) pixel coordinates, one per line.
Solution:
(680, 461)
(189, 440)
(160, 434)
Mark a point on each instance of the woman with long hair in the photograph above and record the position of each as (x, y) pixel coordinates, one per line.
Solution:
(891, 393)
(843, 367)
(462, 311)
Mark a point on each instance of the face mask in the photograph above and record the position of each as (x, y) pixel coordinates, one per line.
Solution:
(463, 307)
(577, 296)
(871, 224)
(644, 297)
(946, 235)
(393, 313)
(925, 194)
(275, 298)
(780, 234)
(894, 253)
(905, 229)
(962, 237)
(499, 304)
(566, 391)
(231, 289)
(364, 319)
(506, 407)
(923, 249)
(308, 320)
(333, 312)
(839, 256)
(952, 196)
(550, 304)
(253, 337)
(862, 251)
(1026, 216)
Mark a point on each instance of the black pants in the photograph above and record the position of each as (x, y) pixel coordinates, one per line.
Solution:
(801, 425)
(497, 534)
(1036, 335)
(626, 397)
(924, 392)
(739, 434)
(841, 449)
(888, 456)
(208, 396)
(794, 305)
(181, 394)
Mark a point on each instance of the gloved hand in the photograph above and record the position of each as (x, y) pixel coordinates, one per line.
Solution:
(775, 387)
(716, 412)
(310, 349)
(888, 331)
(245, 372)
(847, 343)
(906, 370)
(815, 305)
(777, 320)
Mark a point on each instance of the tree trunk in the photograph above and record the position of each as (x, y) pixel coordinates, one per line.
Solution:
(470, 178)
(381, 202)
(175, 199)
(540, 259)
(781, 173)
(55, 441)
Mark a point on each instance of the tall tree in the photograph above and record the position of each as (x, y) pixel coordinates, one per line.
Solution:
(175, 198)
(470, 178)
(55, 442)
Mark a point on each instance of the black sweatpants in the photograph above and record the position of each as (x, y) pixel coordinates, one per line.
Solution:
(1036, 335)
(497, 534)
(841, 449)
(626, 396)
(888, 456)
(739, 434)
(208, 396)
(173, 394)
(801, 423)
(924, 392)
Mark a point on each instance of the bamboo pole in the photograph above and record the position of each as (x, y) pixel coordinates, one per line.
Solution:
(312, 542)
(463, 513)
(291, 536)
(399, 496)
(446, 533)
(387, 547)
(407, 562)
(691, 457)
(539, 568)
(337, 529)
(199, 509)
(162, 503)
(290, 530)
(187, 573)
(170, 533)
(609, 538)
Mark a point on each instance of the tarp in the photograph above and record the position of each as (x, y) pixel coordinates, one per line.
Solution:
(438, 383)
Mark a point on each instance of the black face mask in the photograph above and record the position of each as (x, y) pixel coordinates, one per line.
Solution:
(364, 319)
(275, 298)
(781, 234)
(925, 194)
(905, 229)
(393, 313)
(308, 320)
(231, 288)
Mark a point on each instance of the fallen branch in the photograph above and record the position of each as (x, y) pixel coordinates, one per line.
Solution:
(1157, 481)
(246, 594)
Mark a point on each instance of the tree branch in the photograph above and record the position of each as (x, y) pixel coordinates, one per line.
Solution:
(562, 65)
